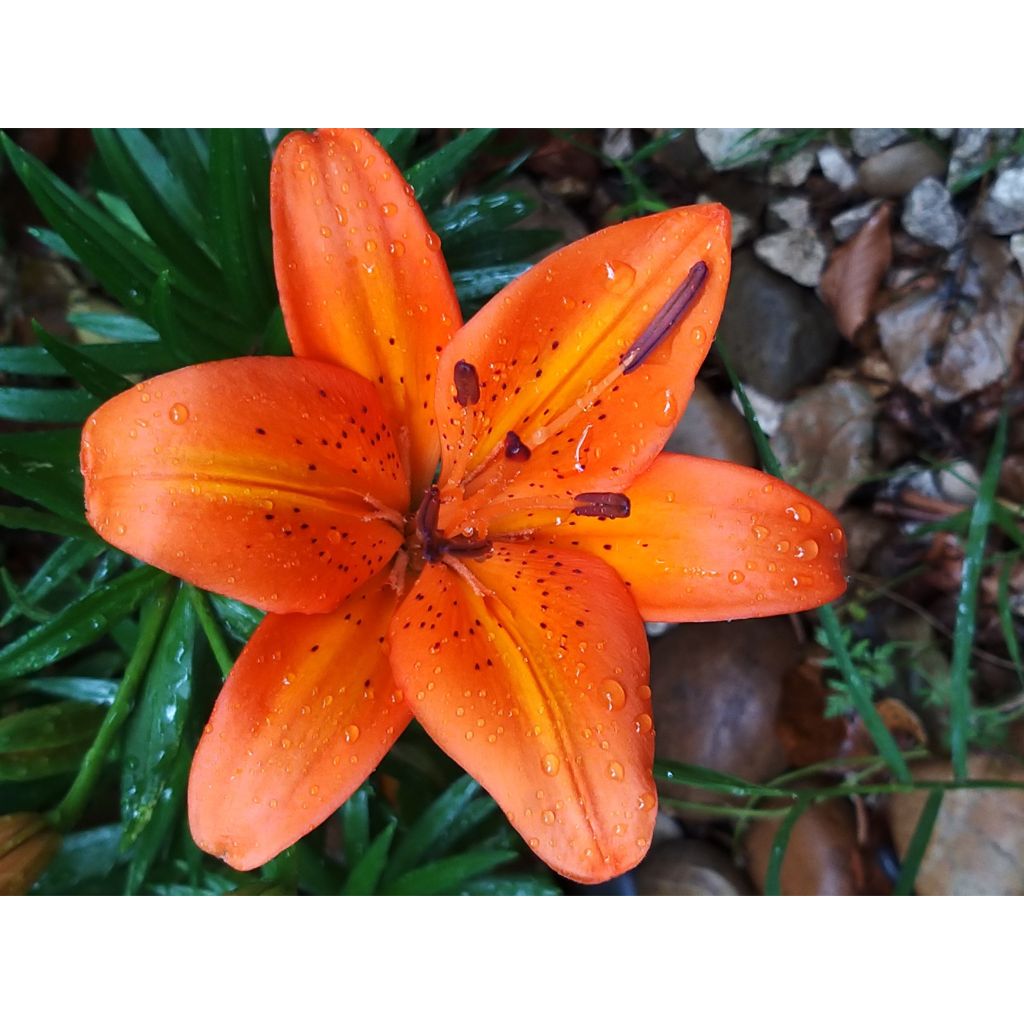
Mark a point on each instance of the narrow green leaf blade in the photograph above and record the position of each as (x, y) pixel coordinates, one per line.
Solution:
(100, 382)
(439, 172)
(82, 622)
(157, 725)
(48, 740)
(918, 844)
(449, 874)
(366, 875)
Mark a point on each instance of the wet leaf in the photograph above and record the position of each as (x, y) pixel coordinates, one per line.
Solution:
(856, 270)
(48, 740)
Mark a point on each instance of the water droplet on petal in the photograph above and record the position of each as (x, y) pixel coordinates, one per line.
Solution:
(643, 724)
(837, 536)
(613, 693)
(667, 411)
(389, 209)
(645, 802)
(550, 764)
(432, 240)
(800, 512)
(548, 817)
(619, 276)
(760, 532)
(736, 576)
(807, 550)
(616, 771)
(351, 733)
(179, 413)
(396, 248)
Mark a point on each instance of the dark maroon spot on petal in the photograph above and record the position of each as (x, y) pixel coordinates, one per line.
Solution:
(602, 504)
(666, 318)
(467, 384)
(515, 450)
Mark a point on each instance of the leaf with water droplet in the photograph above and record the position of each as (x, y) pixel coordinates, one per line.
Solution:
(155, 731)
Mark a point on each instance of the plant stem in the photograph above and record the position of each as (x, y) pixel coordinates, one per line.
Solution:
(214, 635)
(66, 814)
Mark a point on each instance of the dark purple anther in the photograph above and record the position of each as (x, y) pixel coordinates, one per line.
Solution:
(602, 504)
(426, 523)
(515, 450)
(467, 547)
(666, 318)
(467, 384)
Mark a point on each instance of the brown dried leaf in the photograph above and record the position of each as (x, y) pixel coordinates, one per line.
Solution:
(855, 271)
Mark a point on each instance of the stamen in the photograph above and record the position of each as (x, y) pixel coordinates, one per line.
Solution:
(602, 504)
(515, 450)
(466, 547)
(467, 384)
(666, 318)
(426, 524)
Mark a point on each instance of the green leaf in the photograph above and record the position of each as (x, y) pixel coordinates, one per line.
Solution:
(46, 405)
(966, 608)
(448, 875)
(157, 725)
(144, 358)
(469, 218)
(40, 522)
(918, 844)
(716, 782)
(116, 326)
(240, 620)
(364, 878)
(189, 156)
(772, 883)
(474, 287)
(190, 346)
(355, 825)
(93, 853)
(48, 740)
(510, 885)
(53, 242)
(80, 688)
(123, 263)
(240, 193)
(429, 830)
(100, 382)
(160, 823)
(440, 172)
(159, 199)
(42, 466)
(81, 623)
(398, 142)
(70, 556)
(497, 247)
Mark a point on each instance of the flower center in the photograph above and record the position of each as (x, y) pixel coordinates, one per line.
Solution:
(424, 538)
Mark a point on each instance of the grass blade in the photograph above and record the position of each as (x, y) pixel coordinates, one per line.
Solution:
(772, 878)
(966, 608)
(918, 844)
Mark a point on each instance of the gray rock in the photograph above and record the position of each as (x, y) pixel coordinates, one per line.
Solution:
(1017, 248)
(892, 173)
(929, 214)
(790, 212)
(617, 143)
(824, 440)
(794, 171)
(1003, 212)
(849, 222)
(943, 352)
(796, 252)
(778, 335)
(835, 166)
(767, 410)
(735, 147)
(973, 146)
(868, 141)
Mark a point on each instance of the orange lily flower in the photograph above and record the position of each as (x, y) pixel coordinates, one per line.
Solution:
(500, 601)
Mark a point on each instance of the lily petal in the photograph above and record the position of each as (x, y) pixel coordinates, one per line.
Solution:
(707, 540)
(269, 480)
(306, 714)
(529, 667)
(584, 364)
(362, 280)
